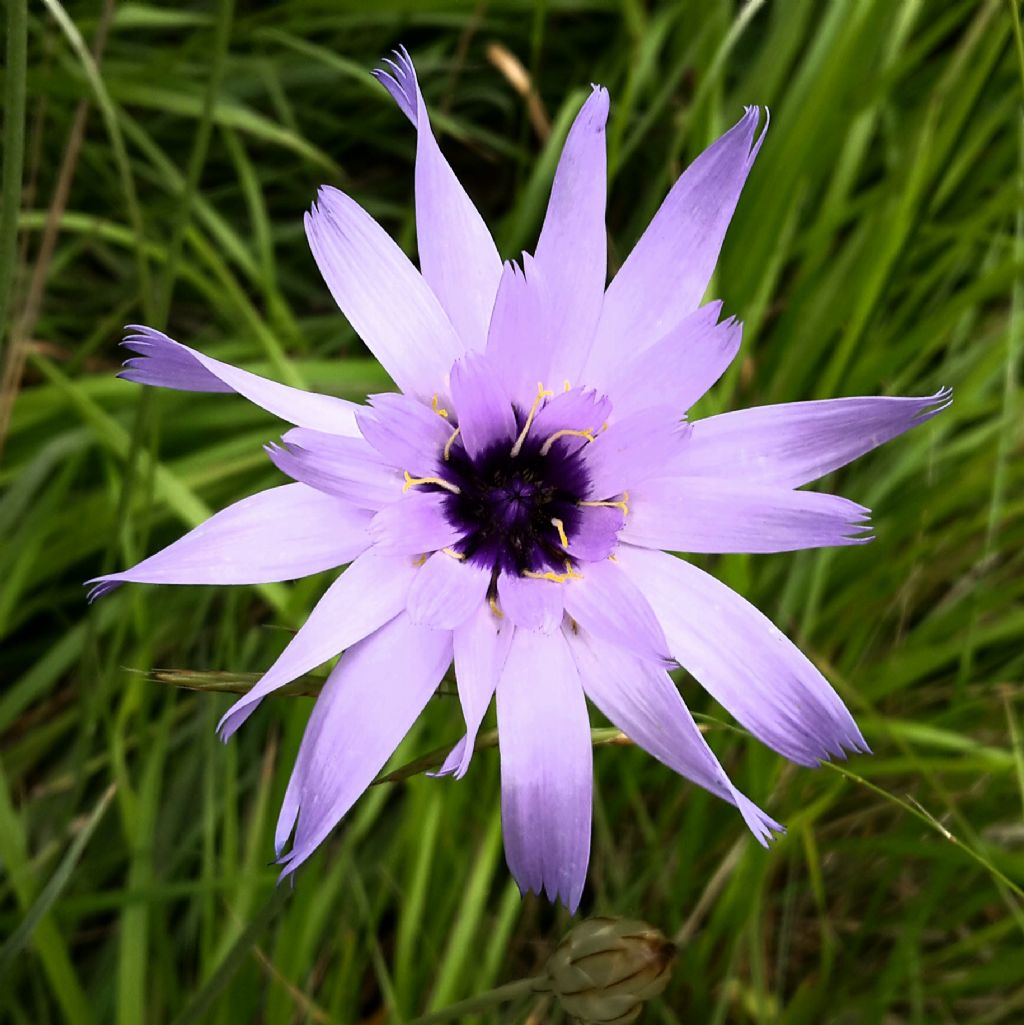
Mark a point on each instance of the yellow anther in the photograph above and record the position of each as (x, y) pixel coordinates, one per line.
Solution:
(542, 394)
(420, 560)
(493, 602)
(454, 554)
(560, 527)
(411, 482)
(623, 504)
(435, 406)
(566, 432)
(556, 578)
(566, 386)
(448, 444)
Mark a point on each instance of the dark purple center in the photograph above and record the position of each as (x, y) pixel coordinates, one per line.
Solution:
(507, 505)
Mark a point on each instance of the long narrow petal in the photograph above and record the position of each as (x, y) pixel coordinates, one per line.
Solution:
(633, 449)
(483, 406)
(680, 368)
(447, 591)
(704, 514)
(643, 702)
(165, 363)
(531, 604)
(349, 468)
(283, 533)
(667, 273)
(546, 767)
(458, 257)
(367, 706)
(382, 294)
(519, 337)
(572, 251)
(610, 605)
(743, 660)
(413, 525)
(798, 442)
(481, 648)
(370, 593)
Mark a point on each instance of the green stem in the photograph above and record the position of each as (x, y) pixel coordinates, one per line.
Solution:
(14, 150)
(484, 1001)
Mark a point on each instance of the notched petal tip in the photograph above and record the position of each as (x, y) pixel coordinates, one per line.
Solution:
(594, 112)
(934, 404)
(101, 586)
(400, 81)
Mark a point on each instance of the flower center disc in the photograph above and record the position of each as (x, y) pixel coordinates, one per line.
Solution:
(515, 511)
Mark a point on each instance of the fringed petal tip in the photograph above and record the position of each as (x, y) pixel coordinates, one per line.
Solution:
(101, 586)
(400, 81)
(752, 114)
(765, 829)
(164, 363)
(230, 722)
(934, 404)
(851, 742)
(570, 901)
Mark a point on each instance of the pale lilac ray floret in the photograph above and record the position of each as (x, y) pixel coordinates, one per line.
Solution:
(511, 508)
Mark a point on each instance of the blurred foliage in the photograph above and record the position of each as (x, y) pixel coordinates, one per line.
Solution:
(169, 151)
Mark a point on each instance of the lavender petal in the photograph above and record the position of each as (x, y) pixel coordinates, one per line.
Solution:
(572, 251)
(743, 660)
(797, 442)
(367, 706)
(165, 363)
(382, 294)
(283, 533)
(546, 767)
(704, 514)
(370, 593)
(458, 257)
(642, 701)
(667, 273)
(446, 591)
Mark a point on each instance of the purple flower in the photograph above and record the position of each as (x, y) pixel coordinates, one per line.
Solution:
(511, 508)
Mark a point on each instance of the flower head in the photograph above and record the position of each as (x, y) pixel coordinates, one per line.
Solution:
(606, 969)
(511, 507)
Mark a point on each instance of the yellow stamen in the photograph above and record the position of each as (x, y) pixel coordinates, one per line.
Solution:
(451, 441)
(566, 432)
(560, 527)
(542, 394)
(420, 559)
(556, 578)
(435, 406)
(454, 554)
(493, 602)
(566, 384)
(411, 482)
(623, 505)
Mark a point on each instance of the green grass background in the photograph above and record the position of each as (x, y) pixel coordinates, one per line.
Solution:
(168, 154)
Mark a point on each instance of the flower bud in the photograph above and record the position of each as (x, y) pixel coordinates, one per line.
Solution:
(606, 968)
